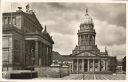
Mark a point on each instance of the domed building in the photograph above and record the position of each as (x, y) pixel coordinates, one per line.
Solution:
(86, 57)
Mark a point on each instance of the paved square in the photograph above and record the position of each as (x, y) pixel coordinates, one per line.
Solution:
(89, 77)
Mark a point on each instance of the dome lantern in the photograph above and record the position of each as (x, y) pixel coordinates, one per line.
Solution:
(87, 19)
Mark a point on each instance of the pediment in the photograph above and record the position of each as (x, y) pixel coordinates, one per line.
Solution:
(85, 54)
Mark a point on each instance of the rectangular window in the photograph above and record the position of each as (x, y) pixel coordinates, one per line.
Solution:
(9, 20)
(13, 20)
(5, 42)
(5, 56)
(5, 20)
(18, 22)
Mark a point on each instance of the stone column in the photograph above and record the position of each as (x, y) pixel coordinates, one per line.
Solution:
(46, 55)
(39, 53)
(42, 59)
(106, 65)
(43, 47)
(77, 65)
(36, 53)
(72, 65)
(82, 65)
(50, 54)
(93, 65)
(99, 64)
(88, 65)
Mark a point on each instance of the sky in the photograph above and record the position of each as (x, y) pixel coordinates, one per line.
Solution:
(63, 20)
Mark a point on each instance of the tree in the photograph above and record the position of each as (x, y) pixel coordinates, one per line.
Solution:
(124, 64)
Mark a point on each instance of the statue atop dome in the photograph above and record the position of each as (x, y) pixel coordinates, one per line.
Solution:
(86, 11)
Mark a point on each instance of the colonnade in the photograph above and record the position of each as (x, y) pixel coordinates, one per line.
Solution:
(41, 54)
(89, 65)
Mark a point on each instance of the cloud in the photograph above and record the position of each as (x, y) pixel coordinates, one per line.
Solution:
(114, 37)
(64, 43)
(113, 13)
(111, 36)
(12, 6)
(117, 50)
(108, 34)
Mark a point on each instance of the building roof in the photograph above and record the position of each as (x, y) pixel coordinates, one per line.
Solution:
(46, 35)
(30, 16)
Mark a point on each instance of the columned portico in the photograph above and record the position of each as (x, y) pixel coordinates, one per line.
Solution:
(89, 65)
(37, 53)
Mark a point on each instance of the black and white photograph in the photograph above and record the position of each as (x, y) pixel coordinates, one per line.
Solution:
(63, 40)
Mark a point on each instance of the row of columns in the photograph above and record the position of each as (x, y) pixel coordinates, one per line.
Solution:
(43, 54)
(40, 54)
(88, 39)
(88, 63)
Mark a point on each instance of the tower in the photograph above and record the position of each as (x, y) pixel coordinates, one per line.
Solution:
(86, 34)
(86, 56)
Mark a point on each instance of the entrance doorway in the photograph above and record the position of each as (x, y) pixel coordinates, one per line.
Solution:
(85, 65)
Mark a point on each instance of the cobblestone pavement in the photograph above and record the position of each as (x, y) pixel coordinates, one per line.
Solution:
(89, 77)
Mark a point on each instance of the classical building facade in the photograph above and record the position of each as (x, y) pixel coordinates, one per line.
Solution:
(86, 57)
(25, 43)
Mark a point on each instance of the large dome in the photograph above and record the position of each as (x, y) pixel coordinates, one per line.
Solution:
(86, 19)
